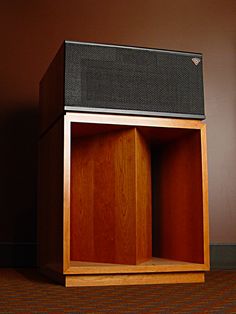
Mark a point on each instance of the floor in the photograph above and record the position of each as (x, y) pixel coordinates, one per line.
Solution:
(26, 291)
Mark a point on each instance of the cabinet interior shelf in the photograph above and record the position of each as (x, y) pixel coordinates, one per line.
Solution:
(153, 265)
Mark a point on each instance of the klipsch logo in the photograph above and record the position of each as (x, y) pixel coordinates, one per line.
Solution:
(196, 61)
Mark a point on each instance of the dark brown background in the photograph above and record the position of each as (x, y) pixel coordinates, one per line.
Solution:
(32, 31)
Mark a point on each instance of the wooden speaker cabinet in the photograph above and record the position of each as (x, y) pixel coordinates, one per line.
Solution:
(123, 200)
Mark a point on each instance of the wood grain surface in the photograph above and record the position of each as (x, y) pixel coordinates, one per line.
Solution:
(153, 265)
(106, 208)
(123, 196)
(134, 279)
(178, 199)
(143, 198)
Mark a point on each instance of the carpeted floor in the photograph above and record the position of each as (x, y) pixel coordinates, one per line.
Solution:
(26, 291)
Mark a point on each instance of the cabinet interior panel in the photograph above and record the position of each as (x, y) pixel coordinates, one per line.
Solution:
(136, 193)
(177, 199)
(105, 206)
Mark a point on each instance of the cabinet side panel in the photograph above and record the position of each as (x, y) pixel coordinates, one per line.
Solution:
(178, 200)
(143, 195)
(102, 198)
(205, 197)
(50, 198)
(51, 92)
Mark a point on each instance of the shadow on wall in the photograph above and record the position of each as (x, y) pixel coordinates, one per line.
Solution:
(18, 186)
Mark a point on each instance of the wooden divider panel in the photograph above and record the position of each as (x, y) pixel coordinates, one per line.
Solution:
(143, 199)
(106, 200)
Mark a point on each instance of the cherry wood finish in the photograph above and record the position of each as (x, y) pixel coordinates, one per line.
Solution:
(110, 198)
(50, 199)
(167, 155)
(143, 198)
(178, 202)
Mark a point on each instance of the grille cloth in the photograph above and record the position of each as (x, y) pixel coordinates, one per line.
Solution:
(132, 79)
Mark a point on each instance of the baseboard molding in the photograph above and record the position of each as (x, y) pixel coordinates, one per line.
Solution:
(20, 254)
(23, 254)
(223, 256)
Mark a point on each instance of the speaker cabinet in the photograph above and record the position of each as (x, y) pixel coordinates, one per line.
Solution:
(123, 200)
(88, 77)
(122, 184)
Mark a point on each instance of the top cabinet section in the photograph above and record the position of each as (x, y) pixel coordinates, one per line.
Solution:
(99, 78)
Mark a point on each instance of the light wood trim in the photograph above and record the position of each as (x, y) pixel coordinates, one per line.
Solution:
(154, 265)
(140, 279)
(205, 197)
(134, 121)
(66, 191)
(69, 267)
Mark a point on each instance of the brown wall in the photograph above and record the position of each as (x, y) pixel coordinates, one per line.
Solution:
(32, 31)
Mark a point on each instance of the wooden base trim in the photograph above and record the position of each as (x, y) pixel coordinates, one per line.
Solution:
(154, 265)
(123, 279)
(135, 279)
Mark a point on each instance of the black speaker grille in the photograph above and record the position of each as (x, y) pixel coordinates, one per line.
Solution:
(129, 79)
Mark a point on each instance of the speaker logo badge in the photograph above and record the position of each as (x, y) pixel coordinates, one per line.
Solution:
(196, 61)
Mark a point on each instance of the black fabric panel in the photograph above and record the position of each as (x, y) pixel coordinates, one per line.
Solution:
(133, 79)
